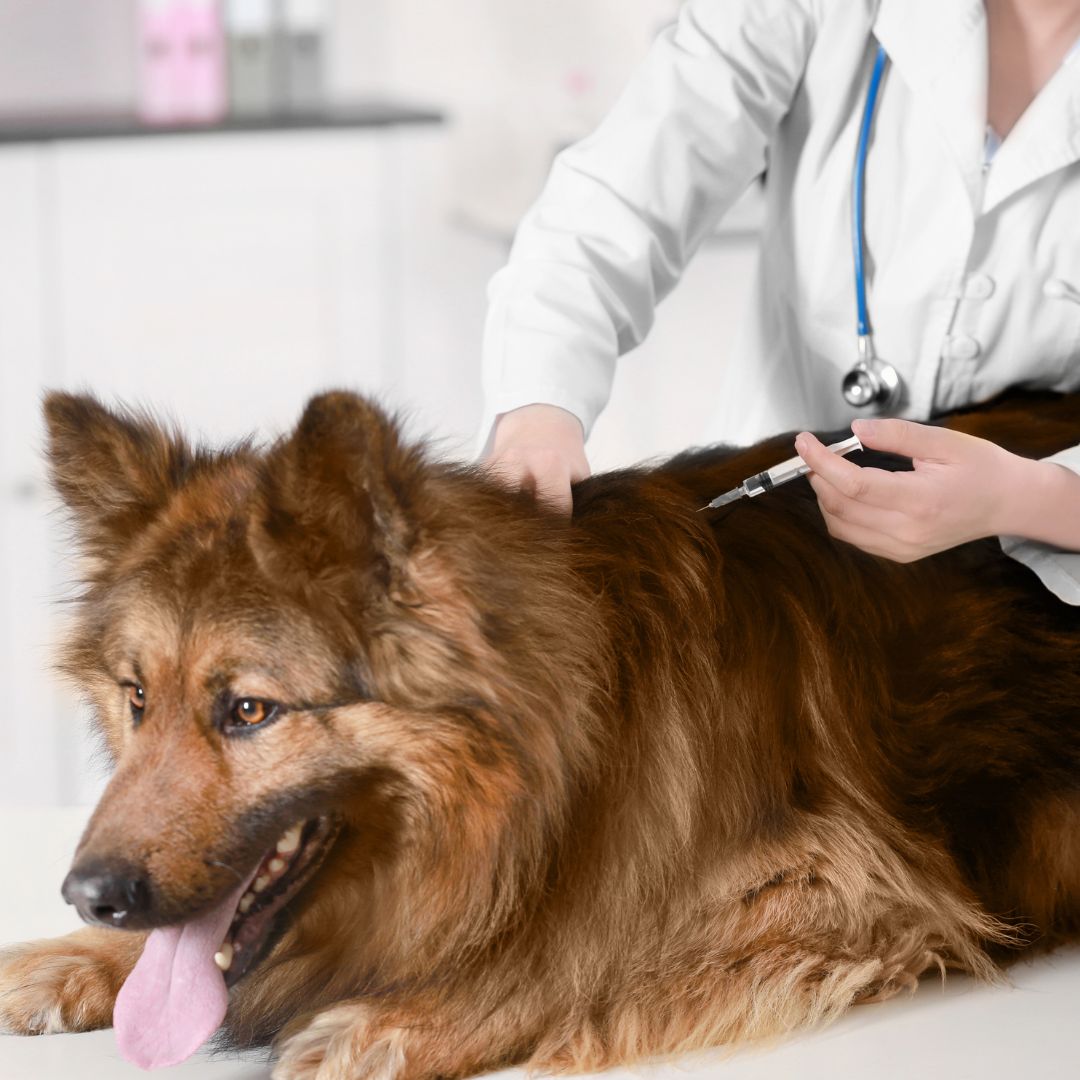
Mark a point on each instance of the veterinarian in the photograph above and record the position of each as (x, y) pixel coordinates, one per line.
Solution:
(972, 251)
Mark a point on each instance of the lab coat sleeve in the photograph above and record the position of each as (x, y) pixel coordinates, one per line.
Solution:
(623, 211)
(1058, 570)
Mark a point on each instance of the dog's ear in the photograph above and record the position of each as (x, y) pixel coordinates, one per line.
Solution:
(334, 507)
(114, 470)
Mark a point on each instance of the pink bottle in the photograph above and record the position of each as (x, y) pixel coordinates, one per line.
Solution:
(158, 50)
(203, 94)
(181, 62)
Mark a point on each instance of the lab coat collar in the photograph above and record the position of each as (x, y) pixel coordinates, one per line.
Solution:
(939, 49)
(1046, 138)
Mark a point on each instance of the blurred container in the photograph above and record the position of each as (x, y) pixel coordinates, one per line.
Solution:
(181, 62)
(157, 61)
(304, 33)
(255, 63)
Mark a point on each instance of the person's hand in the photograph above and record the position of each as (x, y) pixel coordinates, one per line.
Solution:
(540, 448)
(962, 489)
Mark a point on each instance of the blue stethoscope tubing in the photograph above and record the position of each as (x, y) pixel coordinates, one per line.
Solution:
(871, 381)
(858, 193)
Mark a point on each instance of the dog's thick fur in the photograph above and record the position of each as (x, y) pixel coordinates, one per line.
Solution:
(625, 785)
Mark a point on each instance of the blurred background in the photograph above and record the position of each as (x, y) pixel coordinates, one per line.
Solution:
(217, 208)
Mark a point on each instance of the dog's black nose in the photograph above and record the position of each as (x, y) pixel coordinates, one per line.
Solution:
(107, 894)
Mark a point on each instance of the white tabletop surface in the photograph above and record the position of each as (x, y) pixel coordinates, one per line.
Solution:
(961, 1032)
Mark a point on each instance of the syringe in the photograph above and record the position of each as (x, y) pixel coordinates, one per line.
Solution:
(791, 469)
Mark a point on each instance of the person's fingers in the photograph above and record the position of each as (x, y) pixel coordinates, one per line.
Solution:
(554, 492)
(869, 540)
(508, 470)
(579, 470)
(908, 439)
(543, 475)
(872, 486)
(549, 476)
(835, 504)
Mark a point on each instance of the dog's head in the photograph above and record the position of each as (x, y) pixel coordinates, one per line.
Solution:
(316, 655)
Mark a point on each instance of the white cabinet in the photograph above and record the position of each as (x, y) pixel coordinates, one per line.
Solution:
(224, 278)
(24, 328)
(28, 751)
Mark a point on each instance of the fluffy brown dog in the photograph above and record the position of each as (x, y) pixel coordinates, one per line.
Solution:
(568, 792)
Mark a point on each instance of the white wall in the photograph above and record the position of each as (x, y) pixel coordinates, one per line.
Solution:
(64, 54)
(519, 79)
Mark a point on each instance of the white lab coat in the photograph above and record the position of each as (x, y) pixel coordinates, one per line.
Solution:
(960, 257)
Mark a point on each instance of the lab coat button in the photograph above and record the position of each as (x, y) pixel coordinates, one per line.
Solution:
(1059, 289)
(961, 347)
(979, 287)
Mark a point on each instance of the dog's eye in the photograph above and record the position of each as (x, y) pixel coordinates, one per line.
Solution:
(137, 700)
(250, 712)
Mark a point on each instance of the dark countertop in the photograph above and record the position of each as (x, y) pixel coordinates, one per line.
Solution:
(363, 114)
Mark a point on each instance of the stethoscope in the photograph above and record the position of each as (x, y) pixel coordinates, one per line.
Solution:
(871, 382)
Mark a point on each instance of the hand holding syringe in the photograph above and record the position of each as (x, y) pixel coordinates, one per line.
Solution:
(791, 469)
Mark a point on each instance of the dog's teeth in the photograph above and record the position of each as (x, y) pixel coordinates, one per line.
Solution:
(260, 883)
(245, 902)
(290, 841)
(276, 865)
(223, 958)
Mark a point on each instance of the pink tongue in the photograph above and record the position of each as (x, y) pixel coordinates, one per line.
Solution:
(175, 998)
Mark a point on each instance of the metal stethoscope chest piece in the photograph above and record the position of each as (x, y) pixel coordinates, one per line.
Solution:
(872, 382)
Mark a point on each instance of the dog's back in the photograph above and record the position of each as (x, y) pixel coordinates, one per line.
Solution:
(939, 701)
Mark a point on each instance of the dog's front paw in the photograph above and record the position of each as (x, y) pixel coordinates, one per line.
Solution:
(343, 1043)
(64, 984)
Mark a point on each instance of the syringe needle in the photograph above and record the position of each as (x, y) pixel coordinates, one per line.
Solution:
(723, 500)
